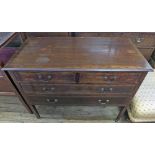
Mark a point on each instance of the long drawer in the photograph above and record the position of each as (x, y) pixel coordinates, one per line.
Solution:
(76, 89)
(82, 77)
(81, 101)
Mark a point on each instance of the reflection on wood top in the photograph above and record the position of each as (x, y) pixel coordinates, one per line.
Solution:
(78, 54)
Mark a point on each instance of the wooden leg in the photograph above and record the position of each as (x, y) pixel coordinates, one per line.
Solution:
(35, 111)
(123, 109)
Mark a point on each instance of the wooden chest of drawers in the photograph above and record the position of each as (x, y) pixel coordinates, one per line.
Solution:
(78, 71)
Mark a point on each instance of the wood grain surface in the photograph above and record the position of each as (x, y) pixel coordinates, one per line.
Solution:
(79, 54)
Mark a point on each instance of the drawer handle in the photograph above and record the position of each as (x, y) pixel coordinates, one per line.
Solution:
(52, 100)
(113, 78)
(40, 77)
(106, 90)
(49, 77)
(110, 78)
(103, 102)
(48, 89)
(105, 78)
(139, 40)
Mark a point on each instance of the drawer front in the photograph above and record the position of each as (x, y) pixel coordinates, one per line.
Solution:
(147, 52)
(50, 77)
(77, 89)
(43, 100)
(114, 78)
(110, 78)
(143, 40)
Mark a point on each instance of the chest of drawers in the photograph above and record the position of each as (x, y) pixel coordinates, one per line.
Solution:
(78, 71)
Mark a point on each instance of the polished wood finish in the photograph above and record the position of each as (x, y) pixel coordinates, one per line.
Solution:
(79, 101)
(143, 40)
(78, 54)
(78, 71)
(147, 52)
(109, 78)
(83, 77)
(54, 77)
(75, 89)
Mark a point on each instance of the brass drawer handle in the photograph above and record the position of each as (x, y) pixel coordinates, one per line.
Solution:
(110, 78)
(103, 102)
(51, 100)
(105, 78)
(41, 77)
(48, 89)
(113, 78)
(139, 40)
(49, 77)
(103, 90)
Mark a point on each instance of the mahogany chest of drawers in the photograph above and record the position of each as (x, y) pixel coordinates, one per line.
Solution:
(78, 71)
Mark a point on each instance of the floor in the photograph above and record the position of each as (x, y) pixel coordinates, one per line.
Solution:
(11, 111)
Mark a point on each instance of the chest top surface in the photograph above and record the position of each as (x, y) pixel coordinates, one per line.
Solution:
(78, 54)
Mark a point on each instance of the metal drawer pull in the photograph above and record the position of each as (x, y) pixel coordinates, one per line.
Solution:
(103, 102)
(48, 89)
(49, 77)
(106, 90)
(139, 40)
(40, 77)
(113, 78)
(110, 78)
(52, 100)
(105, 77)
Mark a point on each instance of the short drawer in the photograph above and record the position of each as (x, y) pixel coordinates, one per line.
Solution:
(50, 77)
(76, 89)
(43, 100)
(110, 78)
